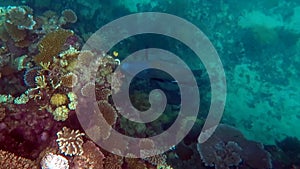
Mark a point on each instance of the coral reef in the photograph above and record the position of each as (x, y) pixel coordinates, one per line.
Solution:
(227, 147)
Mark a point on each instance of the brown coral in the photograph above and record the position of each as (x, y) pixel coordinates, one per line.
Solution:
(102, 94)
(11, 161)
(51, 45)
(135, 163)
(109, 113)
(69, 80)
(113, 162)
(92, 157)
(15, 33)
(70, 141)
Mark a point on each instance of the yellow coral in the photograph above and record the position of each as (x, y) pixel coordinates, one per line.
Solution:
(51, 45)
(58, 99)
(60, 113)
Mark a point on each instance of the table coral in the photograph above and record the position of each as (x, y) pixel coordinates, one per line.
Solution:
(51, 45)
(20, 17)
(70, 141)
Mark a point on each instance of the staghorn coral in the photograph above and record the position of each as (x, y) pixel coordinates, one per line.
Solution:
(11, 161)
(51, 45)
(51, 161)
(113, 162)
(92, 157)
(70, 141)
(58, 99)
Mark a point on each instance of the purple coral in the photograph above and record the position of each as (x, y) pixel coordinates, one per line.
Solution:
(228, 147)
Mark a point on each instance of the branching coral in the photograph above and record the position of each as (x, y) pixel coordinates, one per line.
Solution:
(9, 160)
(70, 141)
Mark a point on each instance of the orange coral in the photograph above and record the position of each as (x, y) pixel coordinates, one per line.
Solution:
(51, 45)
(9, 160)
(58, 99)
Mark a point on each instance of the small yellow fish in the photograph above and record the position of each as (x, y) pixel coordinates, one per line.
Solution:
(115, 53)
